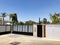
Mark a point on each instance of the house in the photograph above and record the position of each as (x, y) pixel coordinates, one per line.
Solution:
(5, 21)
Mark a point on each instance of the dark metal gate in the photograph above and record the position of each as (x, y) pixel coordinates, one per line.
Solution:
(39, 30)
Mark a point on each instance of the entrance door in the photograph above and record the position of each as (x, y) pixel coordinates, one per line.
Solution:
(39, 30)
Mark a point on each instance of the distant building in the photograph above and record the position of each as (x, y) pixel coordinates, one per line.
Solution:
(1, 20)
(5, 21)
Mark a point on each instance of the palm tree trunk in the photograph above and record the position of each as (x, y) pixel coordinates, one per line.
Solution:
(11, 26)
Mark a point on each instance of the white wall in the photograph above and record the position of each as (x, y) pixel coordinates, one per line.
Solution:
(53, 31)
(35, 30)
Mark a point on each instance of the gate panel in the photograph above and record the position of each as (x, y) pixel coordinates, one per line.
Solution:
(23, 29)
(4, 29)
(39, 30)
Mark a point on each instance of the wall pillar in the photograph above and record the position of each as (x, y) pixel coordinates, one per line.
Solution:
(35, 30)
(43, 30)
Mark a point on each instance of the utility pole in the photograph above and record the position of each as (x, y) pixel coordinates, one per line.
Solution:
(39, 21)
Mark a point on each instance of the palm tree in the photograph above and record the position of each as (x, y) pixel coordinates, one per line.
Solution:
(3, 15)
(13, 19)
(54, 18)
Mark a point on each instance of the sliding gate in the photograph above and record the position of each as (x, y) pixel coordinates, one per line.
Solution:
(4, 29)
(23, 29)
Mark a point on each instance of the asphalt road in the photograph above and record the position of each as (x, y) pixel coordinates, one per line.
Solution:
(15, 39)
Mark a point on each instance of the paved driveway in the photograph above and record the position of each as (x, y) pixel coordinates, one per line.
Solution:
(15, 39)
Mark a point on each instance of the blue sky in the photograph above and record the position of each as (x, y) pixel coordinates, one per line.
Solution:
(30, 9)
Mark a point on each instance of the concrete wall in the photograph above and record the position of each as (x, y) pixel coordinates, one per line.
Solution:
(53, 31)
(35, 30)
